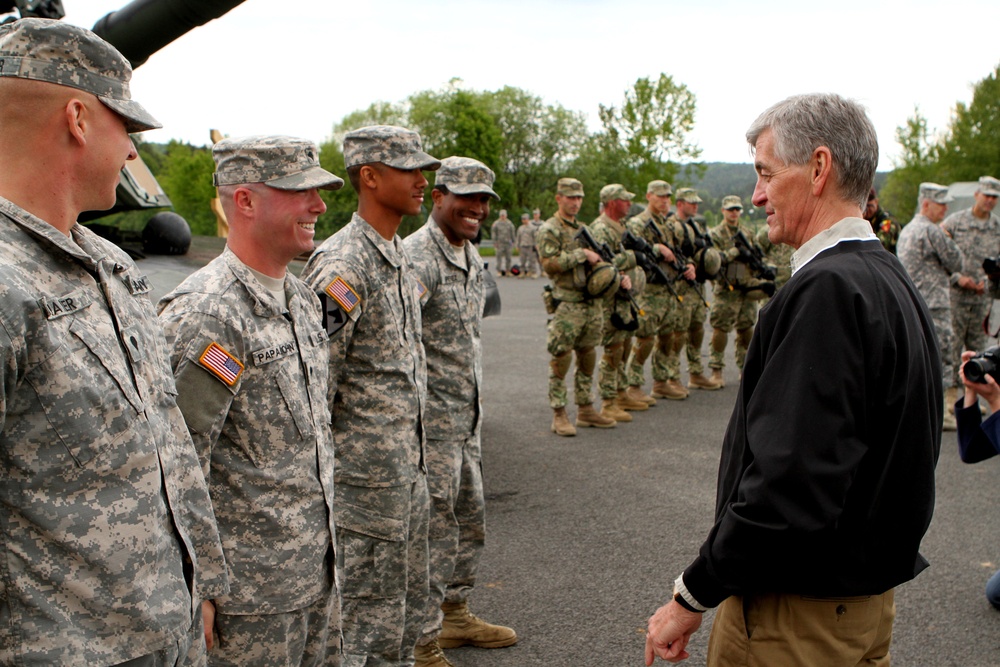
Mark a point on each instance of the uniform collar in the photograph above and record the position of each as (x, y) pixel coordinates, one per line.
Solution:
(390, 249)
(265, 305)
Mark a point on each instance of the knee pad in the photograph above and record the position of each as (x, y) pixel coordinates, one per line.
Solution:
(586, 360)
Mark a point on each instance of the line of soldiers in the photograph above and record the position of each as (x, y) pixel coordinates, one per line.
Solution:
(947, 258)
(274, 470)
(636, 287)
(505, 237)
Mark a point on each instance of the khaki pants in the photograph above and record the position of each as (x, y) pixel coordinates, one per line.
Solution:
(798, 631)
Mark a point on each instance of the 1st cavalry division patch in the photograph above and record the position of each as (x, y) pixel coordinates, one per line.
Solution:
(220, 363)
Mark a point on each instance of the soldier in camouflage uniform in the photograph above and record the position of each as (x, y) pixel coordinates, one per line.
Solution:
(377, 394)
(578, 321)
(103, 506)
(976, 232)
(778, 255)
(503, 234)
(658, 303)
(250, 357)
(612, 382)
(526, 250)
(451, 273)
(736, 291)
(886, 229)
(688, 235)
(933, 261)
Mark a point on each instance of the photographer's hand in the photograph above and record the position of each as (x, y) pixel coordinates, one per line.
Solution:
(989, 390)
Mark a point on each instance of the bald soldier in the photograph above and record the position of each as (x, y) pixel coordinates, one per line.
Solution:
(250, 357)
(103, 505)
(377, 394)
(452, 300)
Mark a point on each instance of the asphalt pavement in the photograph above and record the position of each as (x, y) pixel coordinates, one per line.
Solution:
(586, 534)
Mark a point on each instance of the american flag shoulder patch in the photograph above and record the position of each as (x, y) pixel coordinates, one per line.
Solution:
(421, 288)
(343, 294)
(221, 364)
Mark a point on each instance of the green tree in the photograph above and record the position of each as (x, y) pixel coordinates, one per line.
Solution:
(971, 148)
(916, 163)
(186, 177)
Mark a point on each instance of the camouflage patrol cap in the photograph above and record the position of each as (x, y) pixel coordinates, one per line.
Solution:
(569, 187)
(465, 176)
(615, 191)
(935, 193)
(688, 195)
(660, 188)
(67, 55)
(392, 146)
(284, 163)
(989, 186)
(732, 201)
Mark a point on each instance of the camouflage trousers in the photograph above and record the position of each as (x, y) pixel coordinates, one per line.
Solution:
(529, 260)
(187, 651)
(653, 335)
(575, 326)
(504, 261)
(967, 316)
(731, 309)
(382, 567)
(941, 317)
(457, 531)
(611, 369)
(307, 637)
(688, 325)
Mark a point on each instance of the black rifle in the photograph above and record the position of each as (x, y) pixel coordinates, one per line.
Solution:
(680, 262)
(649, 259)
(752, 257)
(605, 252)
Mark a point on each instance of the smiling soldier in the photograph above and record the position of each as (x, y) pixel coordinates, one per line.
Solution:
(451, 274)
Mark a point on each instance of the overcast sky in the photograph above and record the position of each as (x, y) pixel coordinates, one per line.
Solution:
(298, 66)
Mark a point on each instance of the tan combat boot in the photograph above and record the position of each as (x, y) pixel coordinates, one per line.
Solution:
(625, 403)
(430, 655)
(701, 382)
(560, 423)
(671, 389)
(463, 628)
(950, 396)
(611, 408)
(586, 416)
(637, 394)
(717, 377)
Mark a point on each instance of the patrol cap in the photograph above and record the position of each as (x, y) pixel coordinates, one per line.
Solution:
(935, 193)
(732, 201)
(284, 163)
(661, 188)
(989, 186)
(569, 187)
(465, 176)
(393, 146)
(525, 216)
(688, 195)
(615, 191)
(67, 55)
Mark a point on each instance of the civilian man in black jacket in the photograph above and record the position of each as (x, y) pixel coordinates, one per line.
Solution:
(826, 483)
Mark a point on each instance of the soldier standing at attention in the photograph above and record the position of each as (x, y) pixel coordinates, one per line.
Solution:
(608, 228)
(526, 249)
(110, 543)
(689, 324)
(250, 357)
(734, 305)
(451, 272)
(578, 322)
(503, 238)
(377, 395)
(885, 228)
(658, 303)
(933, 261)
(976, 232)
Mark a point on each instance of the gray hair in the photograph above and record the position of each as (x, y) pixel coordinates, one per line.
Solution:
(803, 123)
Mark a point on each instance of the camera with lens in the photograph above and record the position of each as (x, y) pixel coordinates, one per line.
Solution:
(985, 363)
(991, 266)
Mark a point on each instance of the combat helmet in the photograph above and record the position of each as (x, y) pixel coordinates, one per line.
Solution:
(603, 278)
(708, 263)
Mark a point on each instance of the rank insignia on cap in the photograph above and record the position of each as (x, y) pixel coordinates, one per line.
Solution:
(222, 364)
(343, 294)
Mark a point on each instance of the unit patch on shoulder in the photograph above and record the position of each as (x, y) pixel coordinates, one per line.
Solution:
(343, 294)
(221, 364)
